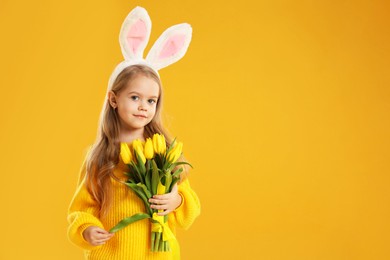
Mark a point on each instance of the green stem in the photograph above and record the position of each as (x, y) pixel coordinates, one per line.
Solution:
(157, 242)
(153, 241)
(160, 247)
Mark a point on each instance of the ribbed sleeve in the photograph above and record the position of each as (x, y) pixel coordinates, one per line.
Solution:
(82, 214)
(189, 209)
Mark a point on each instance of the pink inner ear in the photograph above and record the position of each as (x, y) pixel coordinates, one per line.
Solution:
(172, 46)
(136, 35)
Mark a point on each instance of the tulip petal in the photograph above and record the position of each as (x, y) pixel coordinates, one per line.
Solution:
(125, 153)
(148, 149)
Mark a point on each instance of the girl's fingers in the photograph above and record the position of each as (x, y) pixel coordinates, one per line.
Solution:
(101, 240)
(166, 202)
(158, 201)
(102, 231)
(103, 236)
(96, 236)
(166, 212)
(159, 206)
(161, 197)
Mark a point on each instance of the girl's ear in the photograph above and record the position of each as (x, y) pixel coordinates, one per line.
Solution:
(170, 46)
(135, 32)
(112, 99)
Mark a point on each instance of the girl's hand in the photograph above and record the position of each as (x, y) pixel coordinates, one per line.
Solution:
(96, 236)
(167, 202)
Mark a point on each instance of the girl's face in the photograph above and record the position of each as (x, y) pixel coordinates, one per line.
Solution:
(136, 103)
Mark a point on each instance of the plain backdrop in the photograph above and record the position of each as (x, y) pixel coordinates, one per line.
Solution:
(283, 107)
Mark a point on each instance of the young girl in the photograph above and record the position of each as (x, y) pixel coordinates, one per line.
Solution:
(132, 110)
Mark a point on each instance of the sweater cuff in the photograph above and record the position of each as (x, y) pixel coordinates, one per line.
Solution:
(80, 221)
(182, 202)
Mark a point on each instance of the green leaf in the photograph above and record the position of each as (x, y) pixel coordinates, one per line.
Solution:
(140, 192)
(177, 172)
(148, 181)
(147, 164)
(167, 165)
(158, 160)
(174, 181)
(168, 181)
(171, 146)
(145, 189)
(163, 180)
(181, 163)
(131, 181)
(155, 177)
(127, 221)
(136, 172)
(140, 168)
(140, 164)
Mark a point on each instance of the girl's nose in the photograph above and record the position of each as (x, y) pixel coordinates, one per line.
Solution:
(142, 107)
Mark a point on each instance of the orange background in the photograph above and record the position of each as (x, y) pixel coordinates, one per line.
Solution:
(283, 107)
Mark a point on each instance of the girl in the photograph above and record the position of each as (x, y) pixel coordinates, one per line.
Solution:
(132, 110)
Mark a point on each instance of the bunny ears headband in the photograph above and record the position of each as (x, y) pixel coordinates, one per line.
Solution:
(134, 36)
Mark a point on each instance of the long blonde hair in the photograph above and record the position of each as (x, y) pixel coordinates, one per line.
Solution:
(104, 154)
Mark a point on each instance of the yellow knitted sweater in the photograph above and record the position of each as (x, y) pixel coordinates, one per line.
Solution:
(132, 242)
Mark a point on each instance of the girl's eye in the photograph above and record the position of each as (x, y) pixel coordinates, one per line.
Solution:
(134, 97)
(152, 101)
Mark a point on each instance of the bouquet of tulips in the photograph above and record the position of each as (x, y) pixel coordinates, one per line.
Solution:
(153, 170)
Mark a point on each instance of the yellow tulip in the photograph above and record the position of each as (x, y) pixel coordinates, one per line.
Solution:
(139, 149)
(125, 153)
(148, 149)
(159, 144)
(175, 152)
(163, 144)
(160, 188)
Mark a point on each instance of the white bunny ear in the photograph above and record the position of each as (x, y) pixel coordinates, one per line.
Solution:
(170, 46)
(135, 32)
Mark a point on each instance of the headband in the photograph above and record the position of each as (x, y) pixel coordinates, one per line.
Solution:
(134, 36)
